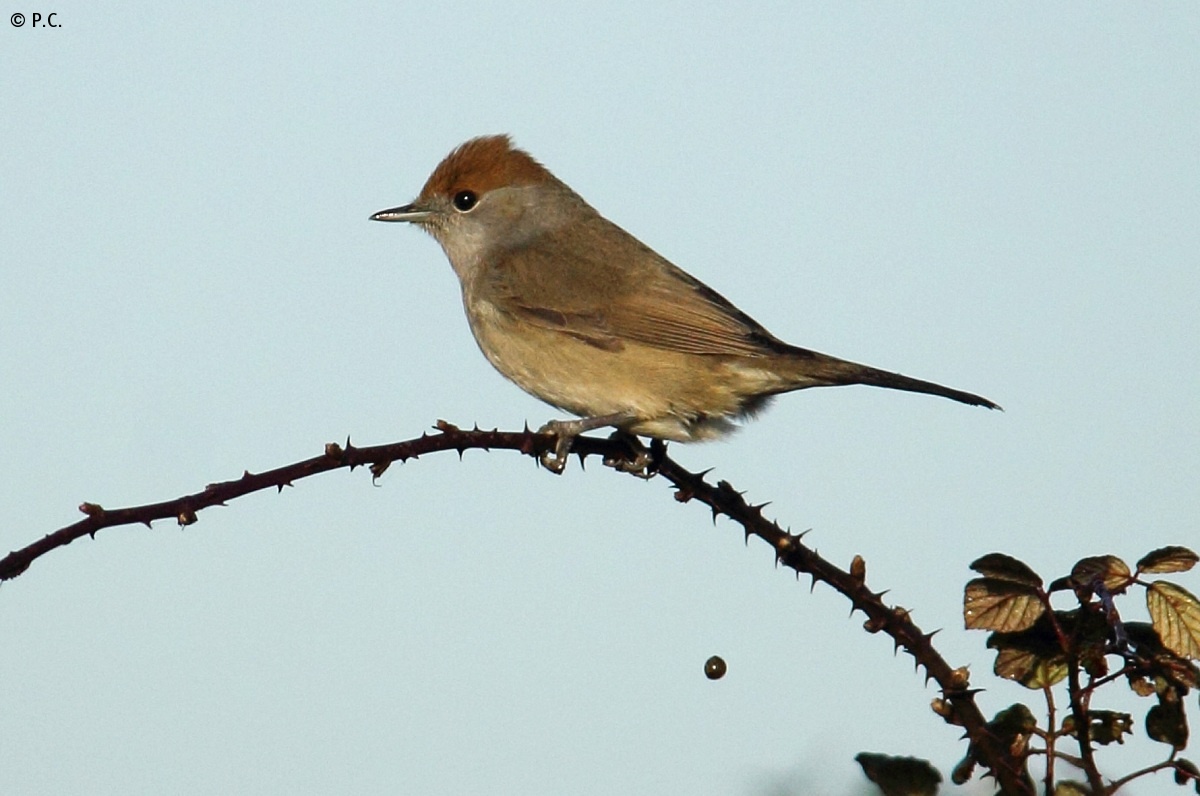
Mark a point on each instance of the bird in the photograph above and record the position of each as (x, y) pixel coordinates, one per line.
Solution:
(584, 316)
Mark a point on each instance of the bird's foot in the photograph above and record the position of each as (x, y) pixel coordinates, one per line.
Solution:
(556, 460)
(640, 462)
(567, 430)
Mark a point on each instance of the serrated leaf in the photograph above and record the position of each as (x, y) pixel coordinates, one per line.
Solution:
(1000, 605)
(1175, 614)
(1112, 571)
(1167, 559)
(1004, 567)
(900, 776)
(1104, 726)
(1108, 726)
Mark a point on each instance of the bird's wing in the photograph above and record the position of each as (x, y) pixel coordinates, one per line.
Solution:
(652, 302)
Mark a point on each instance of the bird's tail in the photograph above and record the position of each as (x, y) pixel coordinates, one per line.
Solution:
(812, 369)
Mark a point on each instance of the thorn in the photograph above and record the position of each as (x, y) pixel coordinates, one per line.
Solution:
(245, 474)
(349, 447)
(147, 524)
(929, 636)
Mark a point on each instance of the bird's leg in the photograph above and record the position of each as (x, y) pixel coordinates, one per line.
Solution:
(568, 430)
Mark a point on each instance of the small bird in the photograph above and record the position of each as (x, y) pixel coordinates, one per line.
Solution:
(581, 314)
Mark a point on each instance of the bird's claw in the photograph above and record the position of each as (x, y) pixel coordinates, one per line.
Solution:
(556, 460)
(644, 463)
(639, 461)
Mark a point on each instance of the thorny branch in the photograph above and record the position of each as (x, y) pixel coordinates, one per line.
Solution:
(959, 703)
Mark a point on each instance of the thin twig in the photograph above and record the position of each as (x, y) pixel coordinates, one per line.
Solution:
(721, 498)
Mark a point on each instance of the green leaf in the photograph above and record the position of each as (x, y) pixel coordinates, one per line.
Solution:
(900, 776)
(1002, 567)
(1070, 787)
(1029, 669)
(1167, 559)
(1001, 605)
(1175, 614)
(1112, 571)
(1033, 657)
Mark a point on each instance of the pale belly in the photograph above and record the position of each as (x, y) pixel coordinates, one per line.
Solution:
(672, 395)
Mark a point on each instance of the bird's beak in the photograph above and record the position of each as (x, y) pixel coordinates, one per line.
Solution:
(410, 212)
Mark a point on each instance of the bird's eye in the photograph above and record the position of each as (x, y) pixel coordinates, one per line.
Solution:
(464, 201)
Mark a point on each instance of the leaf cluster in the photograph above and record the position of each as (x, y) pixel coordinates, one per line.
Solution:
(1088, 646)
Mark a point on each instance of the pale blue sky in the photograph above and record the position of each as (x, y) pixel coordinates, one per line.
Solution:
(1003, 199)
